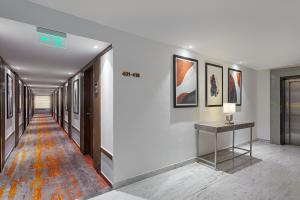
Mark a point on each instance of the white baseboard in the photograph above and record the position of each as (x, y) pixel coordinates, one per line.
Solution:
(165, 169)
(153, 173)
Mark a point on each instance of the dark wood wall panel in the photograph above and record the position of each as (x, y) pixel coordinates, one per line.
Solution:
(2, 115)
(97, 114)
(6, 146)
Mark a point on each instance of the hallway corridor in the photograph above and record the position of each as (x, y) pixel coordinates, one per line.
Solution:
(48, 165)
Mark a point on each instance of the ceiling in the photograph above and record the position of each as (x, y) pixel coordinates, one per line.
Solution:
(258, 34)
(43, 67)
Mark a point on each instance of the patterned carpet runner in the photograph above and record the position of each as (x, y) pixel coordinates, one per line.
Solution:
(48, 165)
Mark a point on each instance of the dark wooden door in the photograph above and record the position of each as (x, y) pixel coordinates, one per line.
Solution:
(24, 108)
(88, 111)
(2, 115)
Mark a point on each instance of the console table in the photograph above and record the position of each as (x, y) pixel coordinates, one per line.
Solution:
(215, 128)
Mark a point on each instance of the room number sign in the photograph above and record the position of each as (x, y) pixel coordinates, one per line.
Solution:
(131, 74)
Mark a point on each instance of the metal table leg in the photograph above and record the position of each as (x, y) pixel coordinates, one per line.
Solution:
(251, 142)
(197, 142)
(233, 135)
(216, 143)
(233, 138)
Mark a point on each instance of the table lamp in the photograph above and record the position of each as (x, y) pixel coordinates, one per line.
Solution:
(229, 109)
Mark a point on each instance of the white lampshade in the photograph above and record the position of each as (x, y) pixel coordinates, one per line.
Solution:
(229, 108)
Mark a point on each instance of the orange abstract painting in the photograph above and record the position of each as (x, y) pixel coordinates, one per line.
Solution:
(185, 82)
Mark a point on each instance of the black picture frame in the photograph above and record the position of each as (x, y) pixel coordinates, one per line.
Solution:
(185, 105)
(206, 83)
(76, 96)
(241, 86)
(9, 97)
(20, 97)
(66, 98)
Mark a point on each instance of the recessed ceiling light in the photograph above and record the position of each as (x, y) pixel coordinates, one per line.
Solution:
(17, 67)
(190, 46)
(70, 73)
(96, 47)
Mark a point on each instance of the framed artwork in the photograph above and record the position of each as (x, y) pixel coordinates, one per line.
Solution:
(185, 82)
(76, 96)
(9, 96)
(20, 96)
(213, 85)
(66, 99)
(235, 86)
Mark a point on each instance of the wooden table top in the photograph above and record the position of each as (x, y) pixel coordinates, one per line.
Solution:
(218, 127)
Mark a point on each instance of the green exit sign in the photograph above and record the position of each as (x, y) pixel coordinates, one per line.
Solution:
(51, 38)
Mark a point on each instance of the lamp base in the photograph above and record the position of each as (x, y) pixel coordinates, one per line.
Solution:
(229, 119)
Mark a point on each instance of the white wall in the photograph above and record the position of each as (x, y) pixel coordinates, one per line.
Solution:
(244, 112)
(148, 132)
(263, 104)
(107, 102)
(107, 125)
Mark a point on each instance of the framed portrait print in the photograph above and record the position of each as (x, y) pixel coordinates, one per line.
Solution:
(9, 96)
(185, 82)
(213, 85)
(20, 97)
(235, 86)
(66, 99)
(76, 96)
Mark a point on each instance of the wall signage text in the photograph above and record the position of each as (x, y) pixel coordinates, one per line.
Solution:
(130, 74)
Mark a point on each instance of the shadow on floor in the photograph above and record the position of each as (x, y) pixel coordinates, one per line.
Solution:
(231, 166)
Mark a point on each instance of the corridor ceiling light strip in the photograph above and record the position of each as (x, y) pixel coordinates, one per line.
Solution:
(42, 86)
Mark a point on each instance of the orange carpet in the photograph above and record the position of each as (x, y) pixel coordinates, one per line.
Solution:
(48, 165)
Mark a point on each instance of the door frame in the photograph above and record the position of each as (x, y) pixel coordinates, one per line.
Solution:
(96, 114)
(2, 115)
(96, 88)
(83, 120)
(283, 106)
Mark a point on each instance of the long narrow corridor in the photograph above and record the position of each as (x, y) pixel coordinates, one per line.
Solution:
(48, 165)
